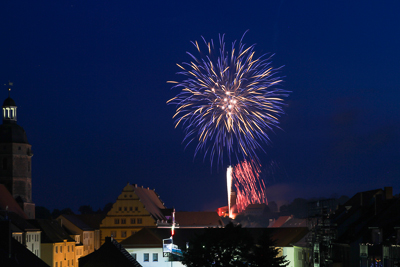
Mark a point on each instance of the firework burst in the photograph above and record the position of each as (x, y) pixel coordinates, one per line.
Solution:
(229, 101)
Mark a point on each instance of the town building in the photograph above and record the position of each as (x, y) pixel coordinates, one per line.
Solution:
(149, 245)
(12, 252)
(110, 254)
(83, 234)
(22, 231)
(136, 207)
(57, 246)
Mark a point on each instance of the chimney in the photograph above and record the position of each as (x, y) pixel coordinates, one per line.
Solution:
(388, 192)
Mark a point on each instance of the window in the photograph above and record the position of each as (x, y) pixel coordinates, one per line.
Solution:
(133, 255)
(123, 221)
(56, 249)
(56, 264)
(155, 256)
(60, 250)
(72, 248)
(130, 208)
(146, 257)
(68, 250)
(125, 208)
(114, 233)
(123, 233)
(119, 208)
(133, 221)
(60, 263)
(116, 221)
(139, 220)
(133, 232)
(136, 209)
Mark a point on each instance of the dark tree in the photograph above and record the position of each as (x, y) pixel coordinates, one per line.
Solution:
(107, 207)
(86, 209)
(229, 246)
(67, 211)
(42, 213)
(266, 254)
(55, 213)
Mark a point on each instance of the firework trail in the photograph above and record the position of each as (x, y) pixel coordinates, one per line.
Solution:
(229, 101)
(250, 189)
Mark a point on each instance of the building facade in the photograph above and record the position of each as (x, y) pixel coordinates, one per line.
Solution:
(135, 208)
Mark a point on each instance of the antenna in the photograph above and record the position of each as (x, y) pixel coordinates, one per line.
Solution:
(9, 87)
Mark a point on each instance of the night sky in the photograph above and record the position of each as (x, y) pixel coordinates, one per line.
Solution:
(90, 86)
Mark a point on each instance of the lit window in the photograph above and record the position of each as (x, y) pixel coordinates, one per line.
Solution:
(155, 256)
(146, 257)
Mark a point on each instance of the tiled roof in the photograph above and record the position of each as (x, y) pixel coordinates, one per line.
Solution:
(295, 222)
(111, 253)
(8, 202)
(152, 237)
(52, 232)
(147, 238)
(75, 221)
(198, 219)
(151, 201)
(280, 221)
(20, 255)
(92, 220)
(19, 222)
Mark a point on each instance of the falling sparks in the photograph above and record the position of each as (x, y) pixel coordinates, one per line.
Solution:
(250, 189)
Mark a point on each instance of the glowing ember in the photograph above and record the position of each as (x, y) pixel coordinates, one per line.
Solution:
(250, 189)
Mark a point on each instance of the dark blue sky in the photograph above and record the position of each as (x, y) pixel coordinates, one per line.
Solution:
(90, 85)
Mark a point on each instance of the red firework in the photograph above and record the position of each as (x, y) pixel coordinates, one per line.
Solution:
(250, 189)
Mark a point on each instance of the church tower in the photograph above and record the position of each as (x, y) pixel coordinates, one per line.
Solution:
(15, 159)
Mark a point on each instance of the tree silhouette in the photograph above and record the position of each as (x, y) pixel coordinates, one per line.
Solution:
(231, 246)
(266, 254)
(86, 209)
